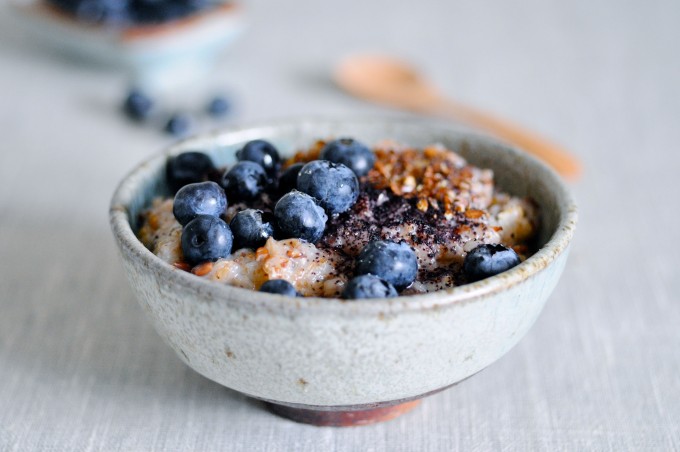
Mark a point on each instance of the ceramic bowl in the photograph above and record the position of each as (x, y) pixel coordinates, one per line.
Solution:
(335, 362)
(157, 55)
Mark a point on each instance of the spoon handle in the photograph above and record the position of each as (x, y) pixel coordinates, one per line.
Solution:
(552, 154)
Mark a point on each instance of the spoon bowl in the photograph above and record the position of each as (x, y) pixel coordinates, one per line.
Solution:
(393, 82)
(386, 80)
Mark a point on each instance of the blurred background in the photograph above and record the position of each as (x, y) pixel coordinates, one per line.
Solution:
(80, 367)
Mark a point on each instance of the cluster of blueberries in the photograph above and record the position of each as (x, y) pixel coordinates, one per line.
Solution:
(131, 12)
(139, 107)
(308, 193)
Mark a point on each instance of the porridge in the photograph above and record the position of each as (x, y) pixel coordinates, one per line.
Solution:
(339, 220)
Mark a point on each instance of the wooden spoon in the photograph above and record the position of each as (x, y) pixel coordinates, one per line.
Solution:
(393, 82)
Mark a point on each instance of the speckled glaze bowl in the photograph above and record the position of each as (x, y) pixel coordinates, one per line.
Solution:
(335, 362)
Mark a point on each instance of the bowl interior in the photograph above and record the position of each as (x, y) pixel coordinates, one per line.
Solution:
(514, 171)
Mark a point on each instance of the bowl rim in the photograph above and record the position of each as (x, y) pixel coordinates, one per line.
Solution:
(211, 291)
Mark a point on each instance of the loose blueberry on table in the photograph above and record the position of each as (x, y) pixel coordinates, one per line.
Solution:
(138, 106)
(218, 107)
(179, 125)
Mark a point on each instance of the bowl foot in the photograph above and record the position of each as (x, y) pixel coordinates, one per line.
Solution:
(347, 418)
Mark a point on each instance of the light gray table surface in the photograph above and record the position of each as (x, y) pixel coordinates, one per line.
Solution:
(82, 369)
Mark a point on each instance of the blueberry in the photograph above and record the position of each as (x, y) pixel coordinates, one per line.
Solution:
(138, 106)
(206, 238)
(351, 153)
(159, 11)
(368, 286)
(263, 153)
(298, 215)
(394, 262)
(101, 11)
(131, 11)
(288, 180)
(245, 181)
(187, 168)
(251, 228)
(488, 260)
(279, 286)
(200, 4)
(333, 184)
(218, 107)
(179, 125)
(201, 198)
